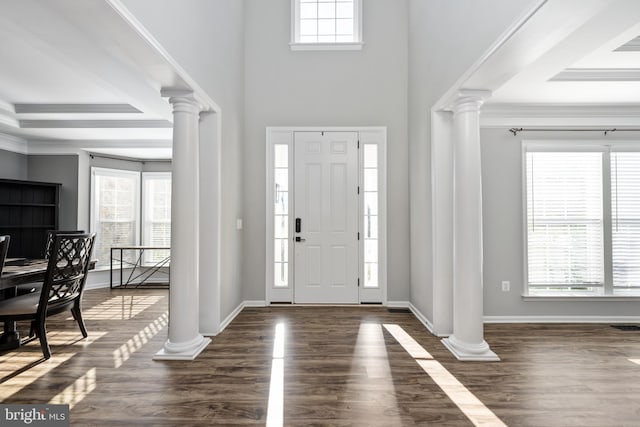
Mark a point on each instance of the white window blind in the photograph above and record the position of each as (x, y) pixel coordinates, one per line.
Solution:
(326, 21)
(625, 219)
(115, 200)
(564, 220)
(156, 221)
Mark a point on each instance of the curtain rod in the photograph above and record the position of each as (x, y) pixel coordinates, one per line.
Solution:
(516, 131)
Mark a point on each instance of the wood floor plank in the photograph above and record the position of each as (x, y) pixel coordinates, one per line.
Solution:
(341, 367)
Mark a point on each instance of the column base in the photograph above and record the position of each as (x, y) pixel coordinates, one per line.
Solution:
(470, 352)
(188, 351)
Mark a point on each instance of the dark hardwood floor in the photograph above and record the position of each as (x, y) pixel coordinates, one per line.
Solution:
(340, 366)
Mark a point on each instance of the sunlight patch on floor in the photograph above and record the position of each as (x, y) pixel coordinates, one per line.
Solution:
(636, 361)
(77, 391)
(123, 307)
(370, 381)
(470, 405)
(275, 406)
(10, 384)
(135, 343)
(71, 338)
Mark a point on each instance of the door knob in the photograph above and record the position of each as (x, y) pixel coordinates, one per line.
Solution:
(300, 239)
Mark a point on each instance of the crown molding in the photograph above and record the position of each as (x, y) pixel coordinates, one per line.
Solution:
(8, 115)
(23, 146)
(76, 109)
(13, 144)
(500, 115)
(597, 75)
(62, 146)
(98, 124)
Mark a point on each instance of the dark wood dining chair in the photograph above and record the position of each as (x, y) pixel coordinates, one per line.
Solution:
(4, 247)
(27, 288)
(62, 288)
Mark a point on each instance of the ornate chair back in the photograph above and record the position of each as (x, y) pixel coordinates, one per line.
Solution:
(66, 272)
(51, 234)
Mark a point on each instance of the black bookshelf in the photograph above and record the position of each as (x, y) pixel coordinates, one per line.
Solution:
(27, 210)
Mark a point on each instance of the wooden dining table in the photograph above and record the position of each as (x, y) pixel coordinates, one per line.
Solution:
(18, 271)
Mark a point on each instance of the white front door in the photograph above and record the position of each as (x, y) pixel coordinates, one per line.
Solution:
(326, 209)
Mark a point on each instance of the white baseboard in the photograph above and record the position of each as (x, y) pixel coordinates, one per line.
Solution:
(96, 285)
(238, 309)
(255, 303)
(398, 304)
(227, 320)
(422, 318)
(561, 319)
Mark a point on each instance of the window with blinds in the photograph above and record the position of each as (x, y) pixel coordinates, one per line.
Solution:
(156, 214)
(625, 219)
(564, 221)
(326, 22)
(583, 220)
(115, 201)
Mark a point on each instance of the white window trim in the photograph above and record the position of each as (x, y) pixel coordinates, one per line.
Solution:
(284, 135)
(295, 35)
(605, 147)
(93, 214)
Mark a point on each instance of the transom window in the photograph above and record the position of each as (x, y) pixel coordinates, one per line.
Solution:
(582, 219)
(326, 24)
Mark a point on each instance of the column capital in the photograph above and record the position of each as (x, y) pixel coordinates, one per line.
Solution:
(469, 100)
(183, 101)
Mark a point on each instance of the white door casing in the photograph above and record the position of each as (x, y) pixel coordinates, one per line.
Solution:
(280, 213)
(326, 261)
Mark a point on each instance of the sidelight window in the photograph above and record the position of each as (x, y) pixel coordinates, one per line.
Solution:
(370, 219)
(281, 215)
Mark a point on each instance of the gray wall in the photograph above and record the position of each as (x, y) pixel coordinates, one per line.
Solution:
(326, 88)
(503, 222)
(13, 165)
(445, 39)
(206, 37)
(62, 169)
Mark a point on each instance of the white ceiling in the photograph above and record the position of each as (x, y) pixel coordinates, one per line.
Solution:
(567, 54)
(76, 71)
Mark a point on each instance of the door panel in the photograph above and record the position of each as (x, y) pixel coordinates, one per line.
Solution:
(326, 201)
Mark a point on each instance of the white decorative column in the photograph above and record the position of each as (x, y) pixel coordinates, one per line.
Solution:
(210, 227)
(185, 341)
(467, 341)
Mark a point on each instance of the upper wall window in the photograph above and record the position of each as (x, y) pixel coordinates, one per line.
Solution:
(326, 24)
